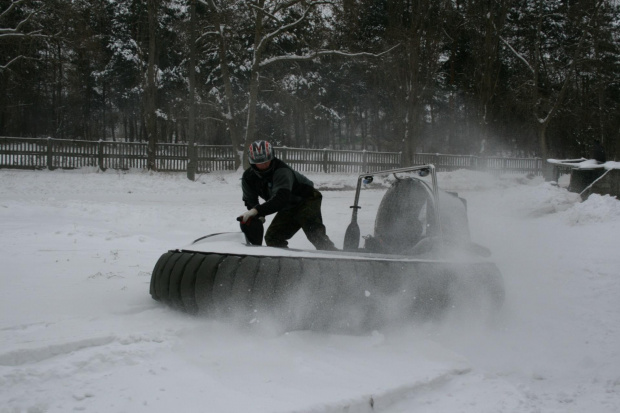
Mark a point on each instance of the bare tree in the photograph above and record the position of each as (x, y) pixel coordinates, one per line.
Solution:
(219, 28)
(150, 95)
(191, 148)
(272, 19)
(487, 73)
(416, 65)
(18, 30)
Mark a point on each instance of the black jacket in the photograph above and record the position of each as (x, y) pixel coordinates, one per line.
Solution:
(280, 186)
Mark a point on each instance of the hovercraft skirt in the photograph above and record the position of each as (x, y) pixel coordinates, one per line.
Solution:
(319, 293)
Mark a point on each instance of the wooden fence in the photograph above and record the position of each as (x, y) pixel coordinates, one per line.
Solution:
(47, 153)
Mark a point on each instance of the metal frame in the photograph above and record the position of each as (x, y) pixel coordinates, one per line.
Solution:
(434, 188)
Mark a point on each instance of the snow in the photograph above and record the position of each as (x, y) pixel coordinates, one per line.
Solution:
(234, 243)
(80, 332)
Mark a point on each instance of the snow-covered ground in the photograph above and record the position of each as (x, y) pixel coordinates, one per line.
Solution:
(80, 332)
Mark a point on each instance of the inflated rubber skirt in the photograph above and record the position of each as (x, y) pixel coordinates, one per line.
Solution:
(221, 277)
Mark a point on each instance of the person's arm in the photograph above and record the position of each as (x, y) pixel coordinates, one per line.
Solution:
(282, 187)
(250, 195)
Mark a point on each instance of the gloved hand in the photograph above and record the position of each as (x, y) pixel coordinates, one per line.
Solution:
(247, 216)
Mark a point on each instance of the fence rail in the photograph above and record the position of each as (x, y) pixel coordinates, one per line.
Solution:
(48, 153)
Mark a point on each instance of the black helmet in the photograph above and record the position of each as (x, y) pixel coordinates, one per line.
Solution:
(260, 152)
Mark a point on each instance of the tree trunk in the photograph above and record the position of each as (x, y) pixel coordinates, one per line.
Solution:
(150, 90)
(191, 148)
(231, 122)
(125, 128)
(250, 129)
(58, 104)
(542, 140)
(412, 84)
(495, 16)
(104, 135)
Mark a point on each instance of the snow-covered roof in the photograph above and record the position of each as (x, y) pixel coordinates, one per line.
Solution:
(583, 163)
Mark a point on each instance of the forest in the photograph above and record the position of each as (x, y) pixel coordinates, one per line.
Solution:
(536, 78)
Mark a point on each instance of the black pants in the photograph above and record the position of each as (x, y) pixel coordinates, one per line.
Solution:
(305, 216)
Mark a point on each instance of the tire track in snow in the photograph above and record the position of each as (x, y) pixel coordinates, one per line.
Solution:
(377, 402)
(35, 355)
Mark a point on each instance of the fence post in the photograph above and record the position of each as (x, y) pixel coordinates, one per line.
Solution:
(50, 158)
(540, 167)
(364, 161)
(100, 155)
(325, 160)
(550, 172)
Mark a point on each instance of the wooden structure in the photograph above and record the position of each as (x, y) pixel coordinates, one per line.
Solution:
(48, 153)
(588, 176)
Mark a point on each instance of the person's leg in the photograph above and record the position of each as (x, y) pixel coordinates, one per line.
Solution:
(311, 222)
(282, 228)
